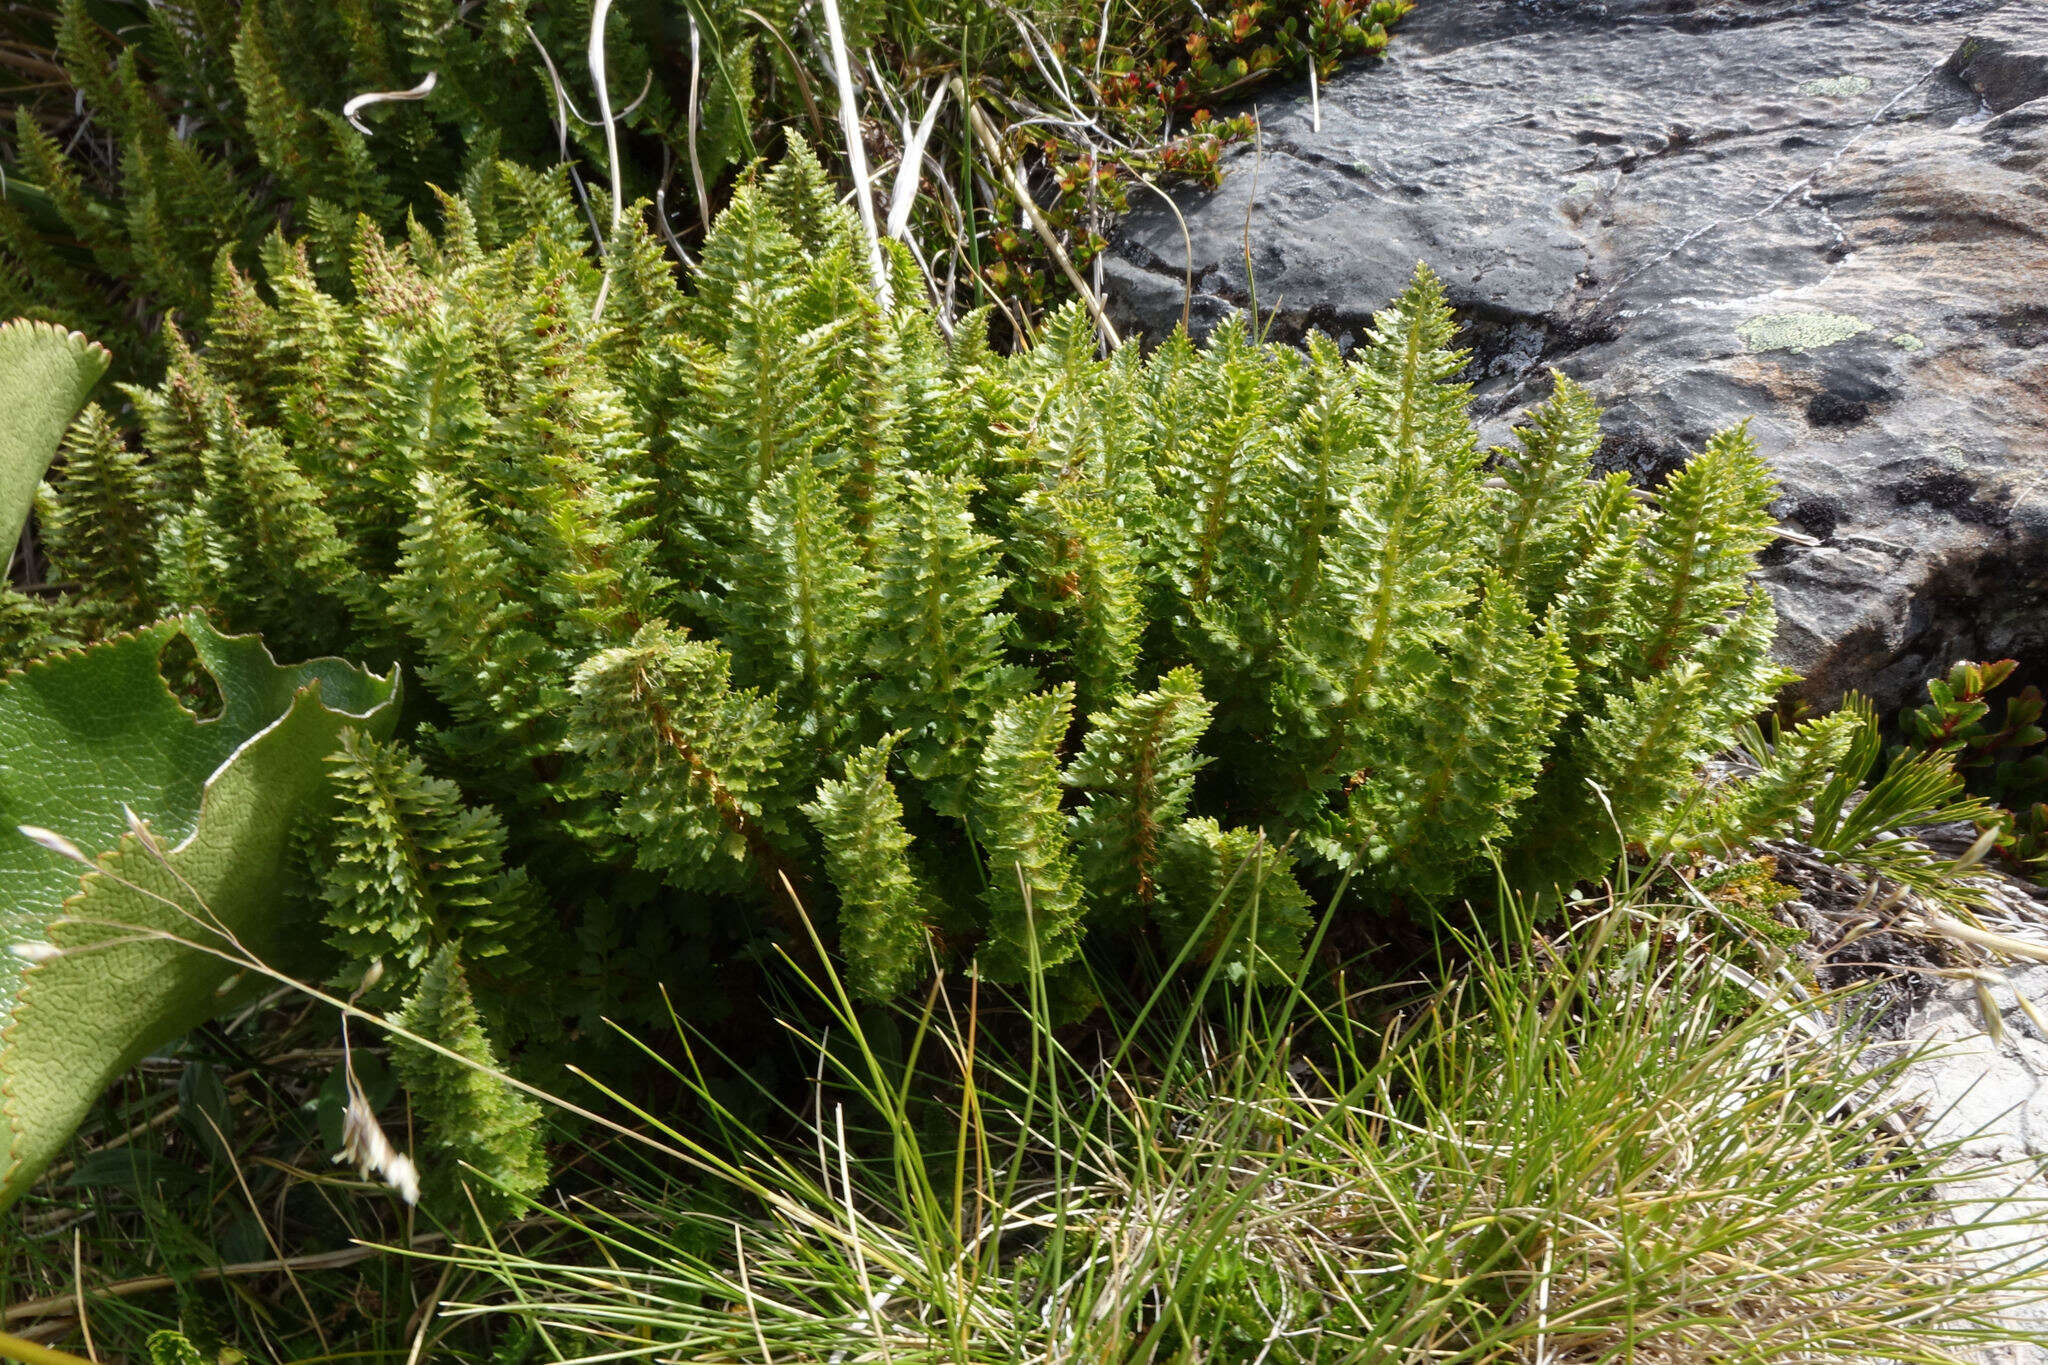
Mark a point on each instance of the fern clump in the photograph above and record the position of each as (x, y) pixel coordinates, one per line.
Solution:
(760, 595)
(212, 123)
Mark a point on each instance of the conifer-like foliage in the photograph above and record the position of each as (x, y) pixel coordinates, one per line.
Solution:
(746, 595)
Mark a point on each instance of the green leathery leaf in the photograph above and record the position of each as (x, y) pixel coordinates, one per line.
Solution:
(45, 374)
(87, 734)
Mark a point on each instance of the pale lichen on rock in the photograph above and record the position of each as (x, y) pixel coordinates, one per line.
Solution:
(1799, 331)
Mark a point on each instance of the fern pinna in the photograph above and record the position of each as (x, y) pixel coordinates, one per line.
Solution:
(755, 595)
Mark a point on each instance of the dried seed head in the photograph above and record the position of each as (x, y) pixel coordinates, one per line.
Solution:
(1974, 854)
(2032, 1012)
(364, 1145)
(1994, 1022)
(54, 842)
(139, 827)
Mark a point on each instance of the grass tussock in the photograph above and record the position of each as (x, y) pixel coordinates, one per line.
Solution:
(1576, 1153)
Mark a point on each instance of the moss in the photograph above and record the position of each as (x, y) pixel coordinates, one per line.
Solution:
(1798, 331)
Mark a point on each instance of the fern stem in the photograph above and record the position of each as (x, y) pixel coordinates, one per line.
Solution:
(779, 876)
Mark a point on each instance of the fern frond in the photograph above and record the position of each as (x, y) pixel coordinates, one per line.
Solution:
(102, 526)
(481, 654)
(796, 615)
(884, 908)
(1441, 793)
(801, 198)
(275, 558)
(1409, 377)
(1213, 455)
(1713, 517)
(1079, 579)
(472, 1117)
(408, 870)
(1032, 900)
(1594, 602)
(696, 767)
(937, 644)
(1547, 485)
(1239, 894)
(1137, 768)
(93, 223)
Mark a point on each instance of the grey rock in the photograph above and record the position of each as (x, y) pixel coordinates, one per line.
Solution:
(1991, 1095)
(1806, 213)
(2006, 64)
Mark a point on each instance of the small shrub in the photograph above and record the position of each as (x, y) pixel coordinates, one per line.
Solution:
(2005, 764)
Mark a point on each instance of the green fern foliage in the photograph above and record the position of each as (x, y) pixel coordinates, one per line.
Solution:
(406, 870)
(473, 1118)
(758, 597)
(938, 642)
(181, 135)
(1235, 896)
(106, 519)
(1033, 898)
(884, 905)
(1137, 770)
(696, 766)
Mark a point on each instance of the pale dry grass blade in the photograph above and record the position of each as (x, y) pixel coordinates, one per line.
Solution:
(856, 147)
